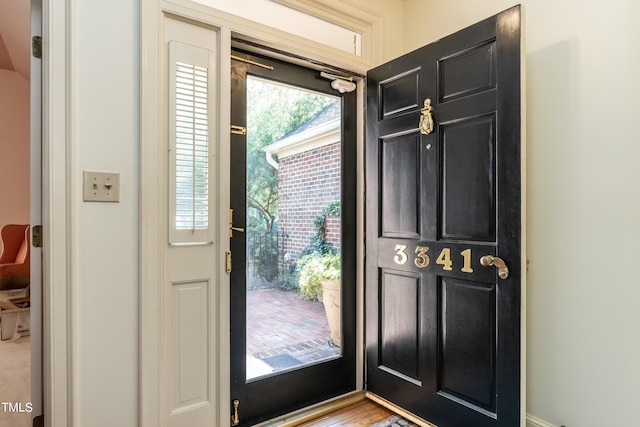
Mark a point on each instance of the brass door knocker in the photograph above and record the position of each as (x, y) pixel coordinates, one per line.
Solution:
(426, 120)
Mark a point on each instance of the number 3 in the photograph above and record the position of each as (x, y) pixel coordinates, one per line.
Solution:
(423, 259)
(401, 255)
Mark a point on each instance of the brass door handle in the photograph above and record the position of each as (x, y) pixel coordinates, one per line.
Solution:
(488, 261)
(231, 227)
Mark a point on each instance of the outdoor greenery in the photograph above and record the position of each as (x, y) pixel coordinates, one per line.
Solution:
(316, 268)
(273, 110)
(320, 260)
(318, 243)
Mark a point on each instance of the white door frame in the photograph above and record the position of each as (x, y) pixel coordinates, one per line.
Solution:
(56, 215)
(153, 408)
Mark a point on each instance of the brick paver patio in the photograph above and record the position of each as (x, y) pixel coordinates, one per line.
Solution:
(283, 323)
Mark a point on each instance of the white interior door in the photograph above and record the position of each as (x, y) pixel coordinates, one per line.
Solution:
(36, 215)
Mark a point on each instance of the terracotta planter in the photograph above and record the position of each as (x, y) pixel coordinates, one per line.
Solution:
(331, 300)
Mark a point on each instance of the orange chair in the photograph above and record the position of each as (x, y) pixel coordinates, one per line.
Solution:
(15, 260)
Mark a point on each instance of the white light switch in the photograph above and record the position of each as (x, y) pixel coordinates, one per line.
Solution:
(101, 186)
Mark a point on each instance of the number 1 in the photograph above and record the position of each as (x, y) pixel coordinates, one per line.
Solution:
(466, 268)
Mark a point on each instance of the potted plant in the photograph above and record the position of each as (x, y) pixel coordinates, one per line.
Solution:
(320, 277)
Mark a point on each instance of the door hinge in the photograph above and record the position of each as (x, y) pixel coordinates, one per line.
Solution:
(36, 46)
(36, 236)
(238, 130)
(235, 418)
(228, 263)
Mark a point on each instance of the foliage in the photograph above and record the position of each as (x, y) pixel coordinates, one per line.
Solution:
(318, 243)
(290, 280)
(320, 260)
(316, 268)
(273, 110)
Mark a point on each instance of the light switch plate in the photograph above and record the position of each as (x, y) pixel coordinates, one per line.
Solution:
(101, 186)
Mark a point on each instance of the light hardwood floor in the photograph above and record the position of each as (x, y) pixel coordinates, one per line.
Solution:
(361, 414)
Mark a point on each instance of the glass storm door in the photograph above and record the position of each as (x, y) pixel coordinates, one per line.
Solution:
(292, 239)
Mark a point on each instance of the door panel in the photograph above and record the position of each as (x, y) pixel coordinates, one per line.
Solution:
(189, 327)
(467, 342)
(443, 330)
(399, 94)
(399, 332)
(468, 179)
(400, 168)
(468, 72)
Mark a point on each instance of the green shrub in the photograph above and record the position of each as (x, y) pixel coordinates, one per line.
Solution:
(315, 268)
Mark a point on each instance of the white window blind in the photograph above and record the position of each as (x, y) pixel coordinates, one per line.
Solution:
(189, 143)
(192, 165)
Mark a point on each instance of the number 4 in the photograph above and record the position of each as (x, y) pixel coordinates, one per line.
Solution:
(444, 259)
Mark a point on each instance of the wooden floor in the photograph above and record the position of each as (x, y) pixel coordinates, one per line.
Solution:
(361, 414)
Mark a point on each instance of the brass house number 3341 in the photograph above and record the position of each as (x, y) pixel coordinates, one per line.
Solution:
(422, 258)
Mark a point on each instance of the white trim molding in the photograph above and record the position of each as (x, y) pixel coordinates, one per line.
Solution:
(57, 219)
(151, 253)
(537, 422)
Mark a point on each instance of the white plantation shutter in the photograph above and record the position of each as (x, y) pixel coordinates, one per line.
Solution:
(192, 165)
(189, 143)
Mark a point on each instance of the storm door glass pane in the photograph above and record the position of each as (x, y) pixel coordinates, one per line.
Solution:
(293, 228)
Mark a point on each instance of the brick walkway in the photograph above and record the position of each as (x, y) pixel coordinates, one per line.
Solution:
(285, 330)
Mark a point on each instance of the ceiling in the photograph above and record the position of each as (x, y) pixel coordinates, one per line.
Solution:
(15, 35)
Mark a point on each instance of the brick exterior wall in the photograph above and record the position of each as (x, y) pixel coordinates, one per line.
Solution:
(308, 183)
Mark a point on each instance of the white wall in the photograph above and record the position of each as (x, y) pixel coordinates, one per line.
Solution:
(14, 148)
(583, 199)
(104, 136)
(392, 19)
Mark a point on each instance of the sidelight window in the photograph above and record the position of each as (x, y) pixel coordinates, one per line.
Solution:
(189, 144)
